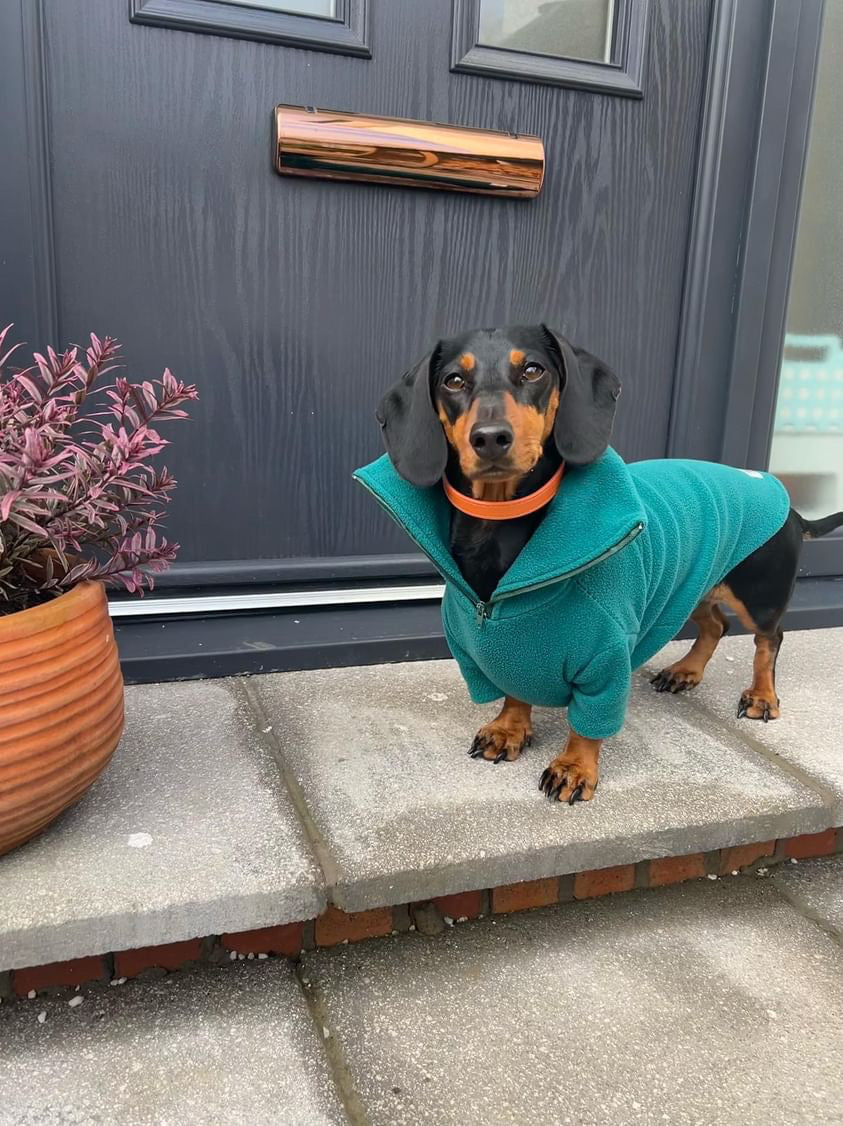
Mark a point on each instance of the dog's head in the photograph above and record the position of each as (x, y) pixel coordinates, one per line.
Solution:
(497, 397)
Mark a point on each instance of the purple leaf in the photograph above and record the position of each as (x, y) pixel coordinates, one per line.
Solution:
(6, 502)
(27, 524)
(85, 487)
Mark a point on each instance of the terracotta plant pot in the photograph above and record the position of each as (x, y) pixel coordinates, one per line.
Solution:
(61, 708)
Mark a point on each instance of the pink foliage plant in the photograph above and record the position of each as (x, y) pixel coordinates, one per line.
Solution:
(78, 497)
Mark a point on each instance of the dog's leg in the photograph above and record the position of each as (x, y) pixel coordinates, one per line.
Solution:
(572, 776)
(760, 700)
(507, 735)
(758, 590)
(687, 673)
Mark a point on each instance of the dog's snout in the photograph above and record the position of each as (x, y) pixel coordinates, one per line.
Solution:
(491, 440)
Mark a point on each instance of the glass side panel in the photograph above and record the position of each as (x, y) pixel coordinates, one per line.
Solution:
(807, 452)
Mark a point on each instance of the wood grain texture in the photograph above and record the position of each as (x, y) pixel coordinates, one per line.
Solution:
(293, 304)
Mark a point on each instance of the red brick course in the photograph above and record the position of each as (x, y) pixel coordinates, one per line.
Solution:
(742, 856)
(168, 956)
(811, 844)
(466, 905)
(287, 940)
(604, 881)
(336, 926)
(523, 896)
(79, 971)
(675, 869)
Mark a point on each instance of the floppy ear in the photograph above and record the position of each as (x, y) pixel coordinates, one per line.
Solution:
(587, 402)
(412, 431)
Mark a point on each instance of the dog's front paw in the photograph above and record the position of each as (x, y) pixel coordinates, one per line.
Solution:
(676, 678)
(757, 705)
(571, 777)
(501, 741)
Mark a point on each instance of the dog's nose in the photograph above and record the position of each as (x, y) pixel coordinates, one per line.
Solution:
(491, 440)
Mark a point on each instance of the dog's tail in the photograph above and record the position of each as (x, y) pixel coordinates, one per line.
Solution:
(813, 529)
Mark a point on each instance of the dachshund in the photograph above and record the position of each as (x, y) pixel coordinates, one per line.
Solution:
(497, 414)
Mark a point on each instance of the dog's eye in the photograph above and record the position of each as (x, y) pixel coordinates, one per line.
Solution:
(453, 382)
(532, 372)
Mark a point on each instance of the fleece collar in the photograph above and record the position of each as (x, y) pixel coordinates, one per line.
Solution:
(596, 509)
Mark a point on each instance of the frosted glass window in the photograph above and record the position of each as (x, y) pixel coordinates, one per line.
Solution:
(572, 29)
(325, 8)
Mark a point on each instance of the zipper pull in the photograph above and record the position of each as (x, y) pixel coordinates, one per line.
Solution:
(480, 614)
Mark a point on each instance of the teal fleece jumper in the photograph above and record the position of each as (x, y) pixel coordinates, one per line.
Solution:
(622, 557)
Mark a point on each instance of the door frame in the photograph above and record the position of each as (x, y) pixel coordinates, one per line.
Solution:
(753, 155)
(761, 73)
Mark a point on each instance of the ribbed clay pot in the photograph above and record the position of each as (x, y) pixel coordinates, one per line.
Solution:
(61, 708)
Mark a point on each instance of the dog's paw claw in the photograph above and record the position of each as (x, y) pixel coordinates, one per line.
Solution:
(571, 782)
(495, 744)
(675, 680)
(755, 706)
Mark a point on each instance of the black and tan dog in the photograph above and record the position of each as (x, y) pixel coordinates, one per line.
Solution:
(496, 414)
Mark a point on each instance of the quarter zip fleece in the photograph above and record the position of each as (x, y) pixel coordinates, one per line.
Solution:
(621, 559)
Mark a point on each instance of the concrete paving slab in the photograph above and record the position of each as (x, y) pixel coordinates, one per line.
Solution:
(815, 887)
(809, 680)
(712, 1004)
(234, 1046)
(189, 832)
(380, 755)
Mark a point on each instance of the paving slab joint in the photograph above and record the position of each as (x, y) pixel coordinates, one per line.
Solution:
(798, 905)
(264, 731)
(340, 1073)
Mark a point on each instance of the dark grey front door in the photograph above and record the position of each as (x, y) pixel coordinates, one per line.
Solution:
(293, 303)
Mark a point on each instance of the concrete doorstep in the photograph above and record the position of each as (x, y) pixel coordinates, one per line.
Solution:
(712, 1002)
(235, 806)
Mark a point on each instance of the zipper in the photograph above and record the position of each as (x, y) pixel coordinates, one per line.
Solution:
(483, 610)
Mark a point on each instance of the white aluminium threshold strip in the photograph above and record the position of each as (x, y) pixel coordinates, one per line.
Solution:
(273, 600)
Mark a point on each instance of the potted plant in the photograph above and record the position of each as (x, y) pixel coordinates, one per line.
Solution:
(80, 507)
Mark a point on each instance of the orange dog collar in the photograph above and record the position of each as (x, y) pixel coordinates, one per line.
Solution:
(504, 509)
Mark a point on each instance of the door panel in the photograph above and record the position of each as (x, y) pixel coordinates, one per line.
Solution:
(293, 304)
